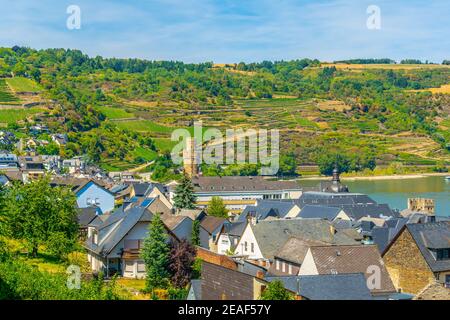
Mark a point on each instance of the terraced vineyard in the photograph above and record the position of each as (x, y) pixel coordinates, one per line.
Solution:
(21, 84)
(6, 96)
(367, 113)
(10, 116)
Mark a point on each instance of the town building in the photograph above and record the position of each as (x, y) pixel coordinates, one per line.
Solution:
(262, 240)
(228, 237)
(289, 259)
(419, 255)
(92, 194)
(114, 244)
(221, 283)
(348, 259)
(150, 190)
(32, 167)
(74, 165)
(237, 192)
(269, 209)
(421, 205)
(9, 161)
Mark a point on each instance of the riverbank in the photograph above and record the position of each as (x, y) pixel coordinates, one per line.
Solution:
(383, 177)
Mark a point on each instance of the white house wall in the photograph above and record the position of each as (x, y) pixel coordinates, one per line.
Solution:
(96, 193)
(293, 213)
(223, 244)
(249, 237)
(343, 216)
(308, 266)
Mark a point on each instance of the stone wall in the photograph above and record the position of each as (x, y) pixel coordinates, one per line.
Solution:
(408, 269)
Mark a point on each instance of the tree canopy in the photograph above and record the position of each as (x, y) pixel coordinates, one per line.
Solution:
(184, 194)
(216, 208)
(155, 253)
(41, 215)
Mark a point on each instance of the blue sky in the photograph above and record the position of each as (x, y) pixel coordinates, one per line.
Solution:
(232, 30)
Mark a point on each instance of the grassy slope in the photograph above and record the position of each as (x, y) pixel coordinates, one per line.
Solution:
(20, 84)
(115, 113)
(6, 96)
(15, 115)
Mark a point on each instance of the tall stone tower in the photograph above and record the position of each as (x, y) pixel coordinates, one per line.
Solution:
(190, 158)
(421, 205)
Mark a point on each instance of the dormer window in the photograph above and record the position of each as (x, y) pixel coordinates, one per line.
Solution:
(443, 254)
(94, 237)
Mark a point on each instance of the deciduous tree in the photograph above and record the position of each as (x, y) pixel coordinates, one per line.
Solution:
(216, 208)
(276, 291)
(182, 257)
(38, 213)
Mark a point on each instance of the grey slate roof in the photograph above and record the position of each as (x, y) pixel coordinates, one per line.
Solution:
(358, 211)
(352, 259)
(240, 183)
(249, 268)
(118, 188)
(295, 249)
(195, 291)
(272, 235)
(432, 236)
(346, 224)
(322, 212)
(86, 216)
(328, 286)
(264, 209)
(333, 199)
(211, 223)
(235, 228)
(3, 179)
(141, 189)
(382, 236)
(99, 220)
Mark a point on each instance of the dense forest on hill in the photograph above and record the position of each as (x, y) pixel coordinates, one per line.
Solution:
(123, 110)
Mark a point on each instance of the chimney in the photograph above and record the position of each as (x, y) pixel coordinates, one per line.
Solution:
(259, 274)
(332, 230)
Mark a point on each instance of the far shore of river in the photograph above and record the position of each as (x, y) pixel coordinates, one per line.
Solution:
(385, 177)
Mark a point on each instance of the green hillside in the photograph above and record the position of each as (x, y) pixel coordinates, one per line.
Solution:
(6, 96)
(369, 114)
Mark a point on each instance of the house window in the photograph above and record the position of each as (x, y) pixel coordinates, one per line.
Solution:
(283, 267)
(129, 266)
(290, 268)
(252, 247)
(141, 267)
(277, 265)
(443, 254)
(245, 246)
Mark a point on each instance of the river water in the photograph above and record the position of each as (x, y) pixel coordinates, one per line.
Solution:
(396, 192)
